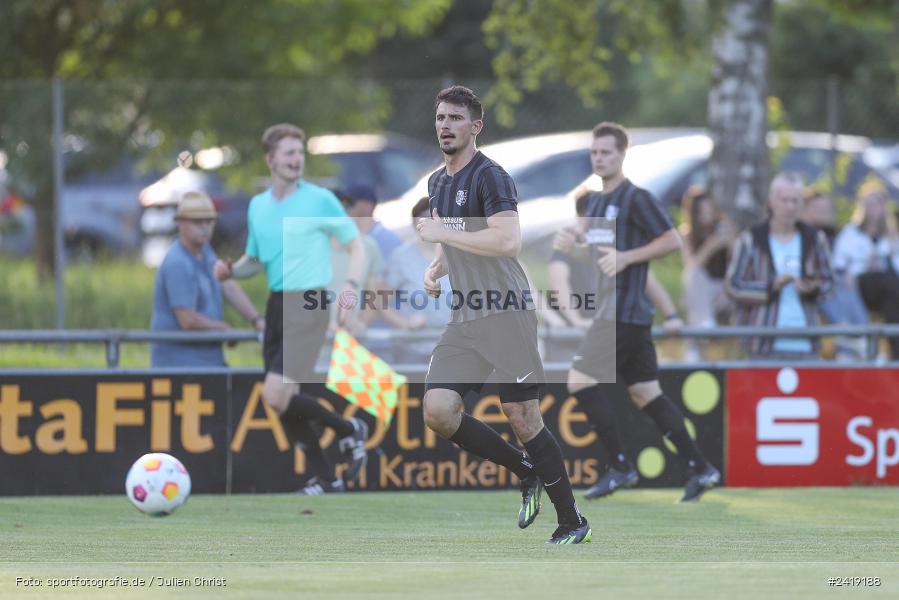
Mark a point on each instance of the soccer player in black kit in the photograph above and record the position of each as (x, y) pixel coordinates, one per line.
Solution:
(493, 327)
(621, 331)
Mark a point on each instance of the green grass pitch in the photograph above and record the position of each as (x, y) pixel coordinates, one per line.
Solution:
(736, 543)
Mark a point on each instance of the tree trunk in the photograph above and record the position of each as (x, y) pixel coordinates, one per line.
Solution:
(738, 114)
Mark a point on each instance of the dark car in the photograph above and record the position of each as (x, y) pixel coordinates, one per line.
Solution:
(98, 213)
(387, 162)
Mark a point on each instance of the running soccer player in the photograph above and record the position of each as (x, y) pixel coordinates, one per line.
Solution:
(474, 221)
(293, 268)
(642, 232)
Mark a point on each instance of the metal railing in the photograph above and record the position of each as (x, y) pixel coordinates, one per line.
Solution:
(114, 338)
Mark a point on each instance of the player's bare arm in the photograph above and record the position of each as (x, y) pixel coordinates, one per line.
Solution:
(614, 261)
(501, 237)
(570, 241)
(433, 273)
(246, 266)
(355, 266)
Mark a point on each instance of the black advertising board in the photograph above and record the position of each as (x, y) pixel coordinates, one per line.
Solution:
(78, 434)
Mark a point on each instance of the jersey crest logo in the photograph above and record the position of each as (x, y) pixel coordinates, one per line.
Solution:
(461, 197)
(611, 212)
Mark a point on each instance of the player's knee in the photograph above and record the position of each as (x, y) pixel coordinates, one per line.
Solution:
(441, 410)
(276, 397)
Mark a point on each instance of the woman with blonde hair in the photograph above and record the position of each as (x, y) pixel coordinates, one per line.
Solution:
(866, 253)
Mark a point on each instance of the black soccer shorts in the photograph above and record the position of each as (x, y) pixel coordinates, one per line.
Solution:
(304, 330)
(470, 351)
(611, 347)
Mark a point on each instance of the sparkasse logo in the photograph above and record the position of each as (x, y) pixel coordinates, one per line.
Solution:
(787, 430)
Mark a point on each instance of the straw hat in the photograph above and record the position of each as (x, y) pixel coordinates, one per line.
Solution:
(195, 205)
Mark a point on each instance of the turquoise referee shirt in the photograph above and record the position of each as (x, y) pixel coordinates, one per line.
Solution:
(291, 236)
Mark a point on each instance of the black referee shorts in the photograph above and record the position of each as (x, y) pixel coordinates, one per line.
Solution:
(632, 356)
(304, 330)
(470, 351)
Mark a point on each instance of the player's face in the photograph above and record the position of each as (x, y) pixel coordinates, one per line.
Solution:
(288, 159)
(455, 129)
(606, 157)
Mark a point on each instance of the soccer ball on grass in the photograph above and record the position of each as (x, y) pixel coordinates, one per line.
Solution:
(157, 484)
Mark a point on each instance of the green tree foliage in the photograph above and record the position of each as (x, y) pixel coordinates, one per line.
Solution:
(539, 42)
(173, 68)
(543, 41)
(812, 43)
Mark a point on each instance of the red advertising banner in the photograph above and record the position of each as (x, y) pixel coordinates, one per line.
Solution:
(797, 427)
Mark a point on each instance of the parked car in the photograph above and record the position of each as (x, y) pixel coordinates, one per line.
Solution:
(664, 161)
(159, 202)
(98, 213)
(668, 167)
(387, 162)
(544, 169)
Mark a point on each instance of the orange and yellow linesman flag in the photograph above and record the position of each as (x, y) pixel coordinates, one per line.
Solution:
(363, 378)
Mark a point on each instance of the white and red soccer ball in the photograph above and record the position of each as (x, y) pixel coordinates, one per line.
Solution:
(157, 484)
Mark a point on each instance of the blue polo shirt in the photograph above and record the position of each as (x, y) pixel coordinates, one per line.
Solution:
(185, 281)
(291, 237)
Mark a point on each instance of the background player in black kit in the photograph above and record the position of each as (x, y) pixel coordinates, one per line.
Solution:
(621, 331)
(493, 328)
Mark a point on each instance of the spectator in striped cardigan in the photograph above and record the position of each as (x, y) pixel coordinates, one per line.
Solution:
(778, 271)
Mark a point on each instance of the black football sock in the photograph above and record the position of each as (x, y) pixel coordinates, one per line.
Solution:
(302, 406)
(480, 439)
(670, 422)
(301, 433)
(548, 463)
(601, 415)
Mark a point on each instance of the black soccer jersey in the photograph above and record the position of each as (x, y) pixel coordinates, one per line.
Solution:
(639, 219)
(481, 285)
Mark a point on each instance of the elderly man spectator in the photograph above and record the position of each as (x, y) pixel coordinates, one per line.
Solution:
(186, 295)
(779, 270)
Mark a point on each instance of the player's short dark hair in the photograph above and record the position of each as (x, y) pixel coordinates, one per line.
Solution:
(276, 133)
(616, 131)
(421, 208)
(461, 96)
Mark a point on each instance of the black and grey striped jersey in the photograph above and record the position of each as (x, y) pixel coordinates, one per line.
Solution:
(481, 285)
(638, 219)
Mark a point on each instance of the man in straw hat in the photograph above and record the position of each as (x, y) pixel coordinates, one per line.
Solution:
(188, 297)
